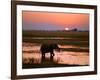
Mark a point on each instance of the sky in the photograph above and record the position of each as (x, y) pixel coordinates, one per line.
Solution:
(32, 20)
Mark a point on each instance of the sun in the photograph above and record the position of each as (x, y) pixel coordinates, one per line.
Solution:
(66, 29)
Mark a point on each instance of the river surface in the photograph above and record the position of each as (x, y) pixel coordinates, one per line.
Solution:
(32, 51)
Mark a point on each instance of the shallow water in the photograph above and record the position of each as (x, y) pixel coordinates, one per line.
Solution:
(31, 51)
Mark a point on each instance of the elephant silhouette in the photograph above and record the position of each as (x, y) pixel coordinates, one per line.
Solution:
(49, 48)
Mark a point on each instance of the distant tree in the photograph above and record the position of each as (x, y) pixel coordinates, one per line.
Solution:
(75, 29)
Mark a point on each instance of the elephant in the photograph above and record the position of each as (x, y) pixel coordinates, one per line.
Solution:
(49, 48)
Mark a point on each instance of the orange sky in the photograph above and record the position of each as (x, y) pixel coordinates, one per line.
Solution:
(63, 19)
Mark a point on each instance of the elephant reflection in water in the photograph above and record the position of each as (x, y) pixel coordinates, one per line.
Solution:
(48, 48)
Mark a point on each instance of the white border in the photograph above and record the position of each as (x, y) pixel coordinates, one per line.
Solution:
(21, 71)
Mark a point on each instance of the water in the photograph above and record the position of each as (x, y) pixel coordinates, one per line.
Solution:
(32, 55)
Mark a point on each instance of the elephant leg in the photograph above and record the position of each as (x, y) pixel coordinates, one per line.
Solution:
(51, 53)
(43, 57)
(43, 54)
(51, 56)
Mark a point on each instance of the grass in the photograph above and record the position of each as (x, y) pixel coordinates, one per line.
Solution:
(69, 34)
(72, 37)
(46, 64)
(27, 66)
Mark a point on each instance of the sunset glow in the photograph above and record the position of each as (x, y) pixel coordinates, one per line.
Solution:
(51, 20)
(66, 29)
